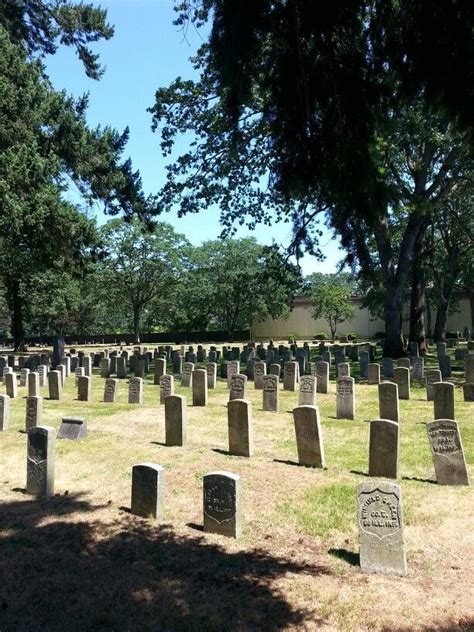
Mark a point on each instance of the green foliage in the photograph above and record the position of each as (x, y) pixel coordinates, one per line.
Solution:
(320, 336)
(330, 296)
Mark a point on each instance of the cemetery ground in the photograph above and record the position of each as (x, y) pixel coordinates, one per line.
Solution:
(81, 561)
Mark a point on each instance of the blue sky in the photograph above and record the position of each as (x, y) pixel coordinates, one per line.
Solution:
(147, 52)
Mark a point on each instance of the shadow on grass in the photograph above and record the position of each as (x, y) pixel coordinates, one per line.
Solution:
(419, 480)
(359, 473)
(85, 574)
(162, 443)
(287, 462)
(348, 556)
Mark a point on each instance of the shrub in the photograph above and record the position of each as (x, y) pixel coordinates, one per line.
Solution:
(352, 336)
(379, 335)
(320, 336)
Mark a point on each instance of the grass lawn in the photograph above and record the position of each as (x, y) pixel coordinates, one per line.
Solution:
(81, 561)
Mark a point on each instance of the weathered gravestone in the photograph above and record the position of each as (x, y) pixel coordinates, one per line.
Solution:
(414, 350)
(345, 398)
(24, 377)
(441, 349)
(66, 362)
(61, 369)
(121, 367)
(86, 364)
(238, 387)
(110, 390)
(274, 369)
(175, 420)
(447, 452)
(105, 367)
(40, 461)
(239, 421)
(384, 445)
(34, 412)
(387, 367)
(43, 372)
(199, 381)
(431, 376)
(322, 374)
(11, 386)
(177, 363)
(148, 490)
(250, 369)
(33, 384)
(135, 390)
(445, 366)
(79, 372)
(270, 393)
(73, 428)
(307, 394)
(468, 391)
(373, 373)
(84, 388)
(160, 369)
(290, 376)
(166, 387)
(260, 369)
(401, 377)
(309, 437)
(380, 520)
(417, 369)
(388, 401)
(364, 364)
(221, 503)
(469, 369)
(443, 400)
(54, 384)
(404, 363)
(211, 370)
(58, 349)
(343, 369)
(4, 412)
(233, 368)
(187, 375)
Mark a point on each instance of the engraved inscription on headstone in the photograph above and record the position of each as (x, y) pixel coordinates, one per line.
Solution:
(260, 369)
(166, 387)
(270, 393)
(238, 387)
(40, 461)
(34, 412)
(345, 398)
(110, 390)
(187, 375)
(135, 390)
(211, 369)
(290, 376)
(73, 428)
(307, 394)
(447, 452)
(221, 503)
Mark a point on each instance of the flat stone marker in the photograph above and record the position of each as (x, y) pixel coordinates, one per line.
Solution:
(166, 387)
(199, 382)
(34, 412)
(238, 387)
(84, 388)
(187, 375)
(322, 374)
(239, 421)
(211, 370)
(373, 373)
(388, 401)
(24, 377)
(431, 376)
(401, 377)
(40, 461)
(175, 420)
(73, 428)
(384, 442)
(11, 385)
(445, 366)
(387, 367)
(443, 400)
(4, 412)
(33, 384)
(148, 490)
(343, 369)
(290, 376)
(260, 369)
(468, 391)
(345, 398)
(380, 520)
(364, 364)
(110, 390)
(447, 452)
(221, 504)
(135, 390)
(309, 437)
(54, 381)
(271, 399)
(160, 369)
(307, 394)
(233, 368)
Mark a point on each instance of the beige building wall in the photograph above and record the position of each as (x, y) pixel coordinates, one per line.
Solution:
(303, 325)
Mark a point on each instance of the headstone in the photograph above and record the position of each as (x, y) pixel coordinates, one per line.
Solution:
(401, 377)
(239, 420)
(447, 452)
(113, 364)
(84, 388)
(238, 387)
(199, 381)
(24, 377)
(384, 445)
(177, 364)
(373, 373)
(33, 384)
(417, 369)
(211, 370)
(307, 394)
(160, 369)
(387, 367)
(414, 351)
(110, 390)
(445, 366)
(468, 391)
(443, 400)
(187, 375)
(43, 372)
(175, 420)
(380, 520)
(441, 349)
(270, 393)
(34, 412)
(364, 364)
(135, 390)
(11, 386)
(66, 362)
(121, 367)
(309, 437)
(403, 363)
(354, 353)
(221, 500)
(290, 376)
(431, 376)
(73, 428)
(469, 369)
(86, 364)
(40, 461)
(105, 367)
(343, 369)
(345, 398)
(58, 349)
(322, 374)
(148, 490)
(4, 413)
(388, 401)
(79, 372)
(62, 374)
(274, 369)
(233, 368)
(166, 387)
(260, 369)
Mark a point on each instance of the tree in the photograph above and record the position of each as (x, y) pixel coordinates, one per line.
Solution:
(142, 265)
(330, 295)
(306, 97)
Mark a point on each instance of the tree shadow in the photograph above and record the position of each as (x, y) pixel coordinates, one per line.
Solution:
(348, 556)
(127, 573)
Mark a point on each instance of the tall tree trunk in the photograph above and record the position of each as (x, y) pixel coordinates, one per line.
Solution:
(16, 311)
(393, 310)
(136, 325)
(471, 301)
(418, 299)
(439, 333)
